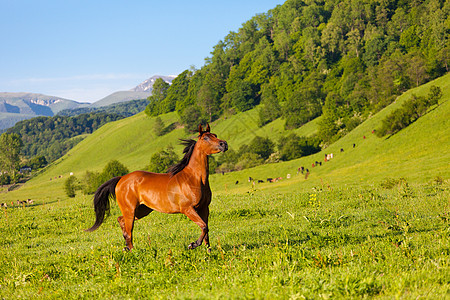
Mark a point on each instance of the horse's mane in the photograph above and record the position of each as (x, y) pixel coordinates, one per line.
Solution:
(188, 150)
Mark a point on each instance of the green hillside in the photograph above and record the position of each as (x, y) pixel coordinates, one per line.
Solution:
(419, 152)
(338, 234)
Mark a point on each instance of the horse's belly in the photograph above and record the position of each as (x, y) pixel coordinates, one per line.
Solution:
(160, 202)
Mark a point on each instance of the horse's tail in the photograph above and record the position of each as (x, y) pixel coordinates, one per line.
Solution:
(101, 201)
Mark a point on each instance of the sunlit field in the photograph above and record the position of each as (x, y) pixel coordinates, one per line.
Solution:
(388, 240)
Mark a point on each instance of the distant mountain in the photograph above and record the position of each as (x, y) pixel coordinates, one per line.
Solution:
(15, 107)
(122, 96)
(147, 85)
(142, 91)
(38, 104)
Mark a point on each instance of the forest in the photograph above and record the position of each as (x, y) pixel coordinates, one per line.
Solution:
(342, 60)
(52, 137)
(125, 109)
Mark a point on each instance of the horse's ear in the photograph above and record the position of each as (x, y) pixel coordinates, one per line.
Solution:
(208, 129)
(200, 129)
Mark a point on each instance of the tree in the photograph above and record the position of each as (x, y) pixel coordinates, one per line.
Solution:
(177, 91)
(159, 126)
(242, 96)
(161, 161)
(10, 146)
(328, 127)
(113, 169)
(293, 146)
(262, 147)
(159, 93)
(191, 117)
(38, 162)
(434, 95)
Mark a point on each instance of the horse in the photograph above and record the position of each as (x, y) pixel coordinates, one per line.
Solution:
(183, 189)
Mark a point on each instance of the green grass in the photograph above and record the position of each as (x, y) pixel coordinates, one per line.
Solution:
(325, 243)
(372, 222)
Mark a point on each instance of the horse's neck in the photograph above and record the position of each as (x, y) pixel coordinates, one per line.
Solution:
(199, 166)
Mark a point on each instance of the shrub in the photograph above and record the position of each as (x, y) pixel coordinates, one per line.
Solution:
(113, 169)
(70, 186)
(249, 160)
(92, 180)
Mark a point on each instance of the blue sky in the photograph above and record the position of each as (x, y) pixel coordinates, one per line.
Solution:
(85, 50)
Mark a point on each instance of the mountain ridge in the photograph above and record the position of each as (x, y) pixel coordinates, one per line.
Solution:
(17, 106)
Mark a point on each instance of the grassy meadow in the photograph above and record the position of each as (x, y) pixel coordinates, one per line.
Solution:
(373, 222)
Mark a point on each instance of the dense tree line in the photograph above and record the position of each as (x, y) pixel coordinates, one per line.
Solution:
(409, 112)
(344, 60)
(125, 109)
(52, 137)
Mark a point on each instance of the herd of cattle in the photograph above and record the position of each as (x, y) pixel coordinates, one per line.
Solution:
(18, 203)
(301, 170)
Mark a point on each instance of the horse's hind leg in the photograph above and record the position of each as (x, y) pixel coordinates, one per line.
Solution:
(126, 220)
(127, 223)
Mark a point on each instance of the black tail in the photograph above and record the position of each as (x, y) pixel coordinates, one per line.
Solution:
(101, 201)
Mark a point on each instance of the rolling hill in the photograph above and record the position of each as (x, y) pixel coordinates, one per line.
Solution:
(418, 153)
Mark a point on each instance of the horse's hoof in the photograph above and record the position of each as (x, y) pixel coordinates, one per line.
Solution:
(126, 249)
(209, 250)
(192, 246)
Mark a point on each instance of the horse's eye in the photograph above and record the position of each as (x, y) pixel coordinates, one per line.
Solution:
(206, 138)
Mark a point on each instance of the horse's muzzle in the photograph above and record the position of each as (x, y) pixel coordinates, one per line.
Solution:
(223, 146)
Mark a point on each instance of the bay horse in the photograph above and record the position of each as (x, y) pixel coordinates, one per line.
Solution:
(183, 189)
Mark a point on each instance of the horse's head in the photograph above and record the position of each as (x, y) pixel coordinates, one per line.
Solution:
(208, 142)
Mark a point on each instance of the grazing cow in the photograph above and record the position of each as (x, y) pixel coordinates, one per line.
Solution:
(30, 201)
(354, 145)
(4, 205)
(269, 179)
(288, 176)
(237, 181)
(342, 149)
(307, 174)
(250, 179)
(260, 181)
(313, 165)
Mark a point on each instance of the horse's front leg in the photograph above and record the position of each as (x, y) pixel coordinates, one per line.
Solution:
(193, 215)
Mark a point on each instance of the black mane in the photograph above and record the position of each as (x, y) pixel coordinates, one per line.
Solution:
(188, 149)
